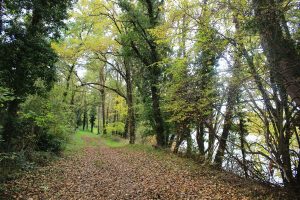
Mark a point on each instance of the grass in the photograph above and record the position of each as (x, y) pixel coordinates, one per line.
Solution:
(114, 141)
(77, 143)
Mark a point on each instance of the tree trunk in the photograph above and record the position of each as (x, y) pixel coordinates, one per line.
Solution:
(159, 126)
(200, 138)
(108, 119)
(92, 127)
(179, 137)
(9, 128)
(87, 121)
(70, 71)
(1, 16)
(280, 51)
(84, 120)
(231, 101)
(130, 104)
(211, 141)
(189, 144)
(284, 62)
(102, 94)
(242, 140)
(179, 140)
(125, 133)
(98, 120)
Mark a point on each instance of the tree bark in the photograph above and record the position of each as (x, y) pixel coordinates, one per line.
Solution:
(92, 127)
(179, 137)
(130, 104)
(280, 51)
(159, 126)
(211, 140)
(1, 16)
(200, 138)
(231, 101)
(102, 94)
(284, 62)
(98, 120)
(179, 141)
(70, 71)
(226, 128)
(150, 62)
(242, 140)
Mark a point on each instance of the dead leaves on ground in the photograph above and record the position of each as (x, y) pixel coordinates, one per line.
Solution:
(106, 173)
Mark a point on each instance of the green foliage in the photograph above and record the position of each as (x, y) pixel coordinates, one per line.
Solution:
(5, 96)
(51, 120)
(115, 127)
(26, 56)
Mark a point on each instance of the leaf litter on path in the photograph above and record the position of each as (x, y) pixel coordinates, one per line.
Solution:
(101, 172)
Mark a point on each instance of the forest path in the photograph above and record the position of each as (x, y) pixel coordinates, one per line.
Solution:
(103, 172)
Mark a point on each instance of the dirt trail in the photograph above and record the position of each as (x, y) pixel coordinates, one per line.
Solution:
(101, 172)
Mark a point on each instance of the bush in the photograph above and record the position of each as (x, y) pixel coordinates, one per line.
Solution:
(47, 142)
(42, 130)
(49, 121)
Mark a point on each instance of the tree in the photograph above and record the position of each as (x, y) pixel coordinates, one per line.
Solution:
(92, 117)
(279, 47)
(26, 55)
(138, 40)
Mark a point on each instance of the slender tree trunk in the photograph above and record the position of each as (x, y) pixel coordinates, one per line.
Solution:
(114, 121)
(98, 120)
(179, 137)
(130, 104)
(226, 128)
(280, 51)
(125, 134)
(288, 177)
(68, 82)
(231, 101)
(131, 124)
(211, 142)
(108, 119)
(242, 140)
(159, 126)
(92, 127)
(103, 112)
(179, 141)
(1, 16)
(102, 93)
(200, 138)
(84, 126)
(72, 97)
(87, 120)
(84, 120)
(189, 143)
